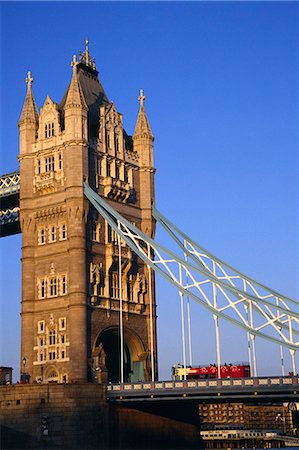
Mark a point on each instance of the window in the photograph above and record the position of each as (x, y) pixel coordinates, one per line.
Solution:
(112, 235)
(114, 285)
(62, 339)
(99, 168)
(38, 166)
(49, 130)
(52, 355)
(126, 176)
(63, 232)
(62, 354)
(107, 140)
(116, 142)
(117, 172)
(41, 357)
(62, 323)
(43, 289)
(53, 287)
(131, 290)
(108, 168)
(96, 232)
(102, 281)
(41, 326)
(52, 233)
(63, 285)
(41, 236)
(52, 337)
(49, 164)
(41, 342)
(60, 161)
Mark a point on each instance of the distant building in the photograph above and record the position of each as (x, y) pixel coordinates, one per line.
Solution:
(5, 375)
(70, 280)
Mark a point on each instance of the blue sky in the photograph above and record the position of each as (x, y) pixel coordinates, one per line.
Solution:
(221, 81)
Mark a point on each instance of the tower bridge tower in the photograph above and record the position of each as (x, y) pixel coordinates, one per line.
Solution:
(70, 272)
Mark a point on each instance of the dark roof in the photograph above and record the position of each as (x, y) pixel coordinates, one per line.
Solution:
(94, 95)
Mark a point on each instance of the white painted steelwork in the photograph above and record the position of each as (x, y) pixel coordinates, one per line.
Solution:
(9, 184)
(258, 310)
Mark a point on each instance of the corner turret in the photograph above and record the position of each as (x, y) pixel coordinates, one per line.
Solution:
(28, 122)
(143, 140)
(75, 108)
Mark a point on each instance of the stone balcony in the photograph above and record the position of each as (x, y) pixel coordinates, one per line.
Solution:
(47, 182)
(116, 189)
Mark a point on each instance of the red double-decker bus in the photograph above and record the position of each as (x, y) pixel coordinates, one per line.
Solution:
(236, 370)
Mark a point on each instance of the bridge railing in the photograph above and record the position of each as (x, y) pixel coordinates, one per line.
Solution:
(227, 383)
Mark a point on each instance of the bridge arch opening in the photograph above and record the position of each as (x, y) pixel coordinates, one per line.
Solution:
(106, 355)
(52, 375)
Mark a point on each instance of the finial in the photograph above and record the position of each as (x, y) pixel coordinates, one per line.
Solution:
(86, 52)
(74, 63)
(29, 79)
(141, 97)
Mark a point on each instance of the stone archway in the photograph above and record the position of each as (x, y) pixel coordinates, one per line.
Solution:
(52, 375)
(106, 355)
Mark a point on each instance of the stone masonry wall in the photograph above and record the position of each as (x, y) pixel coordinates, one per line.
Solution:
(77, 416)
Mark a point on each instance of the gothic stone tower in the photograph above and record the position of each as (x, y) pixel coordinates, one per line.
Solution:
(70, 281)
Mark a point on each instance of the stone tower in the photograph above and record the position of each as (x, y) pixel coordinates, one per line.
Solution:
(70, 281)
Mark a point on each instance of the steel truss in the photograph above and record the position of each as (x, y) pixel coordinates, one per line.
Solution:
(8, 216)
(9, 184)
(202, 277)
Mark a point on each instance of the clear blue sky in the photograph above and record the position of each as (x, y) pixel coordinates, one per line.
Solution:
(221, 81)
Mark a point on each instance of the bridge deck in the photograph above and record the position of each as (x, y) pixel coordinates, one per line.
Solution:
(237, 389)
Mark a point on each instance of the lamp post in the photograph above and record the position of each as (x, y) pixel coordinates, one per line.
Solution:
(23, 374)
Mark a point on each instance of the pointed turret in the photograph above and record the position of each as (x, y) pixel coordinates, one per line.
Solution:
(75, 97)
(29, 112)
(143, 137)
(28, 123)
(75, 108)
(143, 144)
(142, 128)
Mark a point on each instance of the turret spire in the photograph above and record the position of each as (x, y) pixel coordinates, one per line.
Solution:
(29, 112)
(142, 125)
(75, 95)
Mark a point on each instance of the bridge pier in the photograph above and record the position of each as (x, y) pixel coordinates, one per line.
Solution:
(76, 416)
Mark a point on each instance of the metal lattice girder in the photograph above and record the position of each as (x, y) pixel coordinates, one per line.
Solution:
(201, 276)
(9, 184)
(8, 216)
